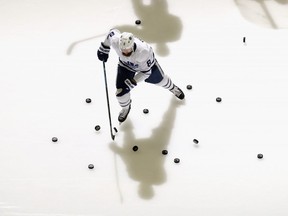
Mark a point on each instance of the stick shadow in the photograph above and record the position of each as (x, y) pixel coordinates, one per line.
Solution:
(158, 26)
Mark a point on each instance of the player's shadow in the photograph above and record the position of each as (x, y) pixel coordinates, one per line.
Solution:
(261, 12)
(146, 165)
(157, 24)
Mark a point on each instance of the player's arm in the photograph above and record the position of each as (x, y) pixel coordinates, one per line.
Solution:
(104, 49)
(111, 36)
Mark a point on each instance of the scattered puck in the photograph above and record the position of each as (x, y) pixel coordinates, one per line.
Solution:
(135, 148)
(218, 99)
(145, 111)
(138, 22)
(115, 129)
(88, 100)
(164, 152)
(176, 160)
(97, 127)
(195, 141)
(54, 139)
(189, 87)
(260, 156)
(91, 166)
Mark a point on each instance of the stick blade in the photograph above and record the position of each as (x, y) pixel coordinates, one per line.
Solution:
(112, 136)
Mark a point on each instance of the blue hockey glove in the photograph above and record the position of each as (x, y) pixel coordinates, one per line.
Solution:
(103, 52)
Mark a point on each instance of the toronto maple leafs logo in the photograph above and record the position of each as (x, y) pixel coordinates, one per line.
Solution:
(132, 65)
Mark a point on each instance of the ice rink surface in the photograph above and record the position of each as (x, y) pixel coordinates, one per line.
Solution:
(49, 66)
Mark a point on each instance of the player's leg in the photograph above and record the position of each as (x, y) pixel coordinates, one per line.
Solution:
(123, 92)
(158, 77)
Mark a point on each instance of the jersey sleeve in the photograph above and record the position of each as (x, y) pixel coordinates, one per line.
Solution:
(112, 37)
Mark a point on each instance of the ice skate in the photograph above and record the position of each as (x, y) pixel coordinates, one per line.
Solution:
(178, 92)
(123, 114)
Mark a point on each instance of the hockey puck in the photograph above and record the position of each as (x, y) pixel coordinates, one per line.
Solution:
(115, 129)
(244, 40)
(218, 99)
(176, 160)
(54, 139)
(164, 152)
(88, 100)
(138, 22)
(135, 148)
(260, 156)
(195, 141)
(146, 111)
(189, 87)
(91, 166)
(97, 127)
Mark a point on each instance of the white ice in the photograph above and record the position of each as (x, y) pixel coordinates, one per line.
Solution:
(49, 66)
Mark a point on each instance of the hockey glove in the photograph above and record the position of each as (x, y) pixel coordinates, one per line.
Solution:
(103, 52)
(131, 83)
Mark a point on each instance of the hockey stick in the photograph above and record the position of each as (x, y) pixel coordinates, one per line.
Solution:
(108, 105)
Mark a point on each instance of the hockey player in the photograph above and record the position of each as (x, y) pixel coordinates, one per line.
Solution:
(136, 63)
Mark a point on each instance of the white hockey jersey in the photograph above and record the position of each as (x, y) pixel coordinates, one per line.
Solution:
(141, 60)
